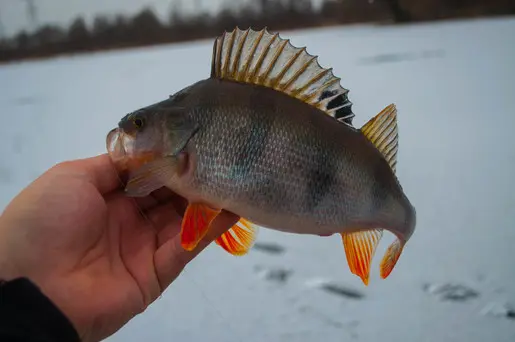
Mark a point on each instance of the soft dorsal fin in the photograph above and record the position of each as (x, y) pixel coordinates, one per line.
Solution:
(265, 59)
(382, 131)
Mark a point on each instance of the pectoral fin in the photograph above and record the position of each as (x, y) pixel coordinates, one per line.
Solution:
(195, 224)
(239, 239)
(359, 249)
(151, 176)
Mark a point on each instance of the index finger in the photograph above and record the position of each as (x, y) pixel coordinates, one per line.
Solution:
(170, 258)
(100, 171)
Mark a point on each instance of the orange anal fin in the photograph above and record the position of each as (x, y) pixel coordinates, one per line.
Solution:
(195, 224)
(390, 258)
(359, 249)
(239, 239)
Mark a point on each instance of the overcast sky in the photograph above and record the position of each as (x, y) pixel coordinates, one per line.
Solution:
(14, 14)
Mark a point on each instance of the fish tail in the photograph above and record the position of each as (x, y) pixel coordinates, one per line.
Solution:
(394, 251)
(391, 257)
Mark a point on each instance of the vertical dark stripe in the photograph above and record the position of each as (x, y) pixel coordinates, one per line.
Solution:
(320, 177)
(267, 192)
(254, 139)
(382, 184)
(254, 136)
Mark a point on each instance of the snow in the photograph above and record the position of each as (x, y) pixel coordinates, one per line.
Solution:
(453, 85)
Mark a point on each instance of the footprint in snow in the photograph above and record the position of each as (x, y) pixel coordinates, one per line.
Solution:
(278, 275)
(451, 292)
(499, 310)
(270, 248)
(336, 289)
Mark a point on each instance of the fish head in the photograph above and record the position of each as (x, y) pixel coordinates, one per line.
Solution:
(147, 135)
(136, 140)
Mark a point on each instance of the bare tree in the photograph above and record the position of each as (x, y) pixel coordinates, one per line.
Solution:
(2, 28)
(400, 15)
(32, 14)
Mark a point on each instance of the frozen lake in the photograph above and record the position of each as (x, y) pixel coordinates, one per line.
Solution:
(453, 84)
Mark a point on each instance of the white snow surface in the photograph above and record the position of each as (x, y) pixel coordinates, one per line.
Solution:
(453, 83)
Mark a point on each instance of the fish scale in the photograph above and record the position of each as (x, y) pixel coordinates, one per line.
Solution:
(269, 137)
(266, 152)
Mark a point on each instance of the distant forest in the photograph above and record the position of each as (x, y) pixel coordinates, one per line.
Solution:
(145, 28)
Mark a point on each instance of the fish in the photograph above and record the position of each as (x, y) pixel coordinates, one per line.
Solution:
(269, 136)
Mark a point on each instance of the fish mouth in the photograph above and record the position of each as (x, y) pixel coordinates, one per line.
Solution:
(121, 149)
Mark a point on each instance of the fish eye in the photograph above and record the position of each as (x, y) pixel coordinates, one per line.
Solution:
(138, 122)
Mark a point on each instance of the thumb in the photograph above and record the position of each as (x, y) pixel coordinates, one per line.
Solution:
(170, 259)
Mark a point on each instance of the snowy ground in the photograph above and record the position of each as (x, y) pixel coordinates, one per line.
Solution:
(453, 84)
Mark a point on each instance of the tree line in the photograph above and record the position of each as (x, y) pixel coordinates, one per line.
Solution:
(145, 28)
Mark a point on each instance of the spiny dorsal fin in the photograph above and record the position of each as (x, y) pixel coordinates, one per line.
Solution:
(262, 58)
(382, 131)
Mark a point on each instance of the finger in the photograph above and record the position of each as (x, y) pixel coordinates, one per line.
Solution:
(159, 197)
(145, 203)
(155, 201)
(140, 204)
(155, 198)
(166, 222)
(170, 258)
(165, 195)
(99, 170)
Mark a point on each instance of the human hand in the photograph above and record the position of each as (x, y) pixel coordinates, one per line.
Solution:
(88, 247)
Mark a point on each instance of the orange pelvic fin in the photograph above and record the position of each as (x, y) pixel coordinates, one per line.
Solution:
(239, 239)
(390, 258)
(359, 249)
(195, 224)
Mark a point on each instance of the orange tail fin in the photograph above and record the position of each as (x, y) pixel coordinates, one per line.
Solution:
(390, 258)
